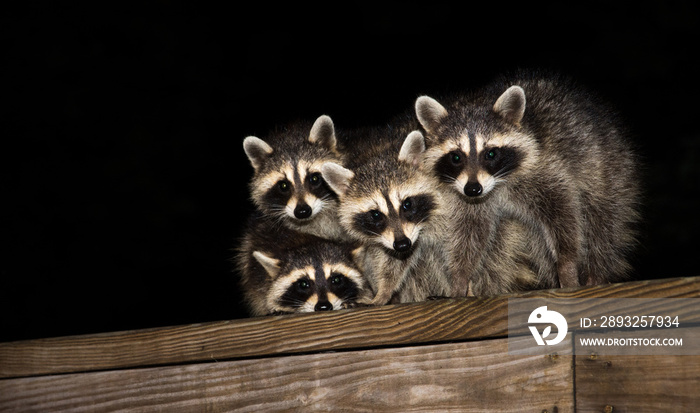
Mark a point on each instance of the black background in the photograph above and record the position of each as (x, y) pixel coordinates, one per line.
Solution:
(124, 182)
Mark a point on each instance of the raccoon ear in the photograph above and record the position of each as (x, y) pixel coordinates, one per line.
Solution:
(257, 150)
(323, 133)
(271, 265)
(337, 177)
(356, 255)
(429, 112)
(412, 148)
(511, 105)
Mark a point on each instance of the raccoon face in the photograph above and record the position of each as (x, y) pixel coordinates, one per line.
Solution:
(315, 288)
(295, 191)
(475, 165)
(391, 218)
(475, 153)
(388, 208)
(287, 183)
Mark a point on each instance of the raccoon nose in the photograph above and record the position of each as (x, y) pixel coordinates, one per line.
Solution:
(402, 244)
(323, 306)
(302, 211)
(472, 189)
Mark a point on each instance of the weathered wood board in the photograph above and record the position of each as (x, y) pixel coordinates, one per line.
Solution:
(444, 355)
(395, 325)
(631, 383)
(458, 377)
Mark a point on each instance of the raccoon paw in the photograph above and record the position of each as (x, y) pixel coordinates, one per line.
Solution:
(354, 304)
(365, 302)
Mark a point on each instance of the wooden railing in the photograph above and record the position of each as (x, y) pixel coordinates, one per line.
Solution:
(442, 355)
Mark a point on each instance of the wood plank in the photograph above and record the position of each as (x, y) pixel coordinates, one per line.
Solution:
(457, 377)
(407, 324)
(630, 383)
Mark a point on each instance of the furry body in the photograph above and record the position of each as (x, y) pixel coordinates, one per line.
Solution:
(550, 159)
(392, 208)
(284, 271)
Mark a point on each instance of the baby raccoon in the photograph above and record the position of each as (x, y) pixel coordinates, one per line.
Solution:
(502, 263)
(287, 184)
(393, 209)
(283, 271)
(542, 152)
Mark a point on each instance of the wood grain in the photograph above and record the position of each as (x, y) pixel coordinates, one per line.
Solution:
(637, 383)
(457, 377)
(397, 325)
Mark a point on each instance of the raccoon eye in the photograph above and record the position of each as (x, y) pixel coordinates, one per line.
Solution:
(417, 208)
(491, 154)
(455, 158)
(304, 284)
(336, 278)
(315, 179)
(283, 186)
(375, 215)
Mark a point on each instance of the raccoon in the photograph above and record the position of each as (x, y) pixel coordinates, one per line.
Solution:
(501, 264)
(287, 184)
(284, 271)
(543, 152)
(392, 208)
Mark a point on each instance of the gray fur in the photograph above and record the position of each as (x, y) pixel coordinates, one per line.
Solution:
(567, 211)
